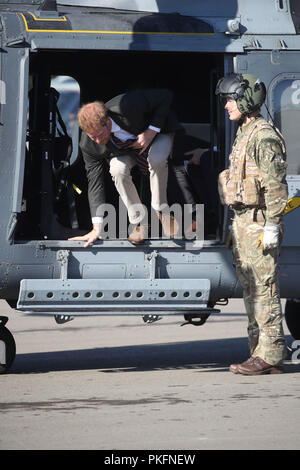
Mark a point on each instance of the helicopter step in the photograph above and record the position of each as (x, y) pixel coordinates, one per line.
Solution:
(113, 296)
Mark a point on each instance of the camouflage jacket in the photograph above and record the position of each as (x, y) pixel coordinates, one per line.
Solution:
(267, 148)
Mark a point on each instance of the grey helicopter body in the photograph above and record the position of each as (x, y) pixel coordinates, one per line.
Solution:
(106, 48)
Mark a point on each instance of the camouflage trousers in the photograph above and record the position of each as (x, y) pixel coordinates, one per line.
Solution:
(257, 271)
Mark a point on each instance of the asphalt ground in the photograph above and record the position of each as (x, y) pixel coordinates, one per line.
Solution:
(117, 383)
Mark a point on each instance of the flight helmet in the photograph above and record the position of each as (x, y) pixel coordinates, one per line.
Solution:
(247, 90)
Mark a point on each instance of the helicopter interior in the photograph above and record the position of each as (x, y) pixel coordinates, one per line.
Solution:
(55, 202)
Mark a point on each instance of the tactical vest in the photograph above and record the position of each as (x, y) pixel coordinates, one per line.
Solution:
(242, 182)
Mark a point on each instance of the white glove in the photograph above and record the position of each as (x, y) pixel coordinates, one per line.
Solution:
(271, 236)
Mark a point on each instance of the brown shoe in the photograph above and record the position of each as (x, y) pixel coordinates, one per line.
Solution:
(138, 234)
(169, 224)
(258, 366)
(234, 368)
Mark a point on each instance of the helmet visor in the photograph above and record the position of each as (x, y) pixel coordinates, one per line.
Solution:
(230, 87)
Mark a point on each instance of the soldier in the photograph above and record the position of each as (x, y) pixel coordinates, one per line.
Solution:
(255, 188)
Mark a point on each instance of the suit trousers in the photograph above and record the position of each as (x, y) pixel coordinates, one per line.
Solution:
(120, 170)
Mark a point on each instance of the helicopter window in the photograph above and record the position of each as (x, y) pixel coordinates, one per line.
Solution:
(286, 112)
(68, 103)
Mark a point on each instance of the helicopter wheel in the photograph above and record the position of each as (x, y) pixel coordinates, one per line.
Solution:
(292, 317)
(7, 347)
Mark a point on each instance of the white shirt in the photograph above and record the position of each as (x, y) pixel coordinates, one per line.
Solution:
(124, 135)
(120, 133)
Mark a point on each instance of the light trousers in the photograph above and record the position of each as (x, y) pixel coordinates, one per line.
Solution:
(120, 170)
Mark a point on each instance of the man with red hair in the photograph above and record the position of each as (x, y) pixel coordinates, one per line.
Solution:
(123, 132)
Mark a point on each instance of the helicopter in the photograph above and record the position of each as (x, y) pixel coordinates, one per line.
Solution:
(57, 54)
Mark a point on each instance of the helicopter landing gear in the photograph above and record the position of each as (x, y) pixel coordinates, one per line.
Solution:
(7, 347)
(151, 318)
(196, 320)
(292, 317)
(60, 319)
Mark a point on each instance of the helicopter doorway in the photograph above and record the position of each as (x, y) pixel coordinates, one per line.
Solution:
(100, 75)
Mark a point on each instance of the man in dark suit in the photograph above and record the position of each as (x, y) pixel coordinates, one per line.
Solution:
(120, 132)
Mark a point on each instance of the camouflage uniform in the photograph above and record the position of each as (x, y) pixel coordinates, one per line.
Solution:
(257, 269)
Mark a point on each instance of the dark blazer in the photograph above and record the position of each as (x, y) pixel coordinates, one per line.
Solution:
(134, 112)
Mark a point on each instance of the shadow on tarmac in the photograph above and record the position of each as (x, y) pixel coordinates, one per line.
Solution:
(205, 355)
